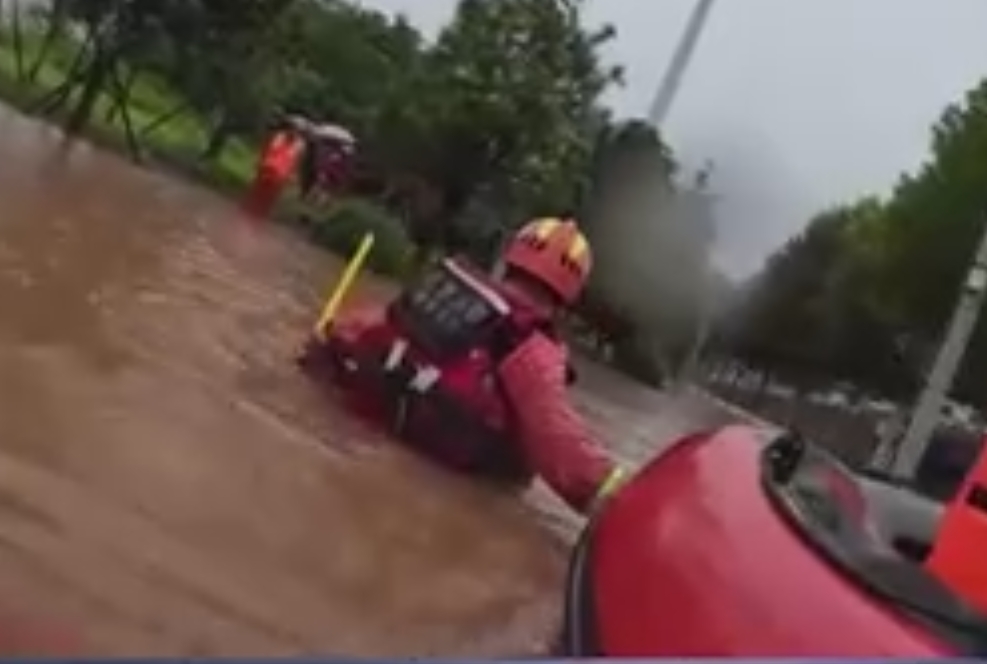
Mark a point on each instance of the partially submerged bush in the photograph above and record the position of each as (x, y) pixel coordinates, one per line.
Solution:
(342, 227)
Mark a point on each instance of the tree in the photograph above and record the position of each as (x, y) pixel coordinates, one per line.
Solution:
(229, 63)
(111, 27)
(205, 48)
(814, 312)
(894, 278)
(57, 15)
(349, 63)
(487, 125)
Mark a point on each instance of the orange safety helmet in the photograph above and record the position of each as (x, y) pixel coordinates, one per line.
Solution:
(553, 252)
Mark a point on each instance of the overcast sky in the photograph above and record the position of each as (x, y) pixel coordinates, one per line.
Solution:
(801, 103)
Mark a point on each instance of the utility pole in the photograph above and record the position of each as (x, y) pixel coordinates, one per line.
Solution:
(706, 310)
(928, 411)
(690, 367)
(670, 84)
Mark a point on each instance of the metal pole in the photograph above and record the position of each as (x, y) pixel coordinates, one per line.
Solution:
(707, 306)
(690, 367)
(940, 380)
(680, 61)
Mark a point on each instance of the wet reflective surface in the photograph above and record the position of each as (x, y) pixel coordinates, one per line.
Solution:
(169, 484)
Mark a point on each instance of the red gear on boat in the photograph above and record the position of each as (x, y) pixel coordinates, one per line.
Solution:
(555, 439)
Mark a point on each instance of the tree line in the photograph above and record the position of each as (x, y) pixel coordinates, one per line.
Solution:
(863, 294)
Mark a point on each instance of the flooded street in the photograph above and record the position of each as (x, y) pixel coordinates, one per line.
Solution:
(169, 484)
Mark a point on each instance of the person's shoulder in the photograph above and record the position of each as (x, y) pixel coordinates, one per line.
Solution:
(546, 344)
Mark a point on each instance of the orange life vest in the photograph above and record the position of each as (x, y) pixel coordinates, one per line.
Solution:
(281, 155)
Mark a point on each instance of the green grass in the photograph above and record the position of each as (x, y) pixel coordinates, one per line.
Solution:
(177, 144)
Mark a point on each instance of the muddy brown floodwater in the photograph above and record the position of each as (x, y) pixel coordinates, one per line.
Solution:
(169, 484)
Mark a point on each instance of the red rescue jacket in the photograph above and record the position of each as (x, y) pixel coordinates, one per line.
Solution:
(497, 400)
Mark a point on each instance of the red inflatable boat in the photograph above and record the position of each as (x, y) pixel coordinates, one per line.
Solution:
(726, 545)
(420, 366)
